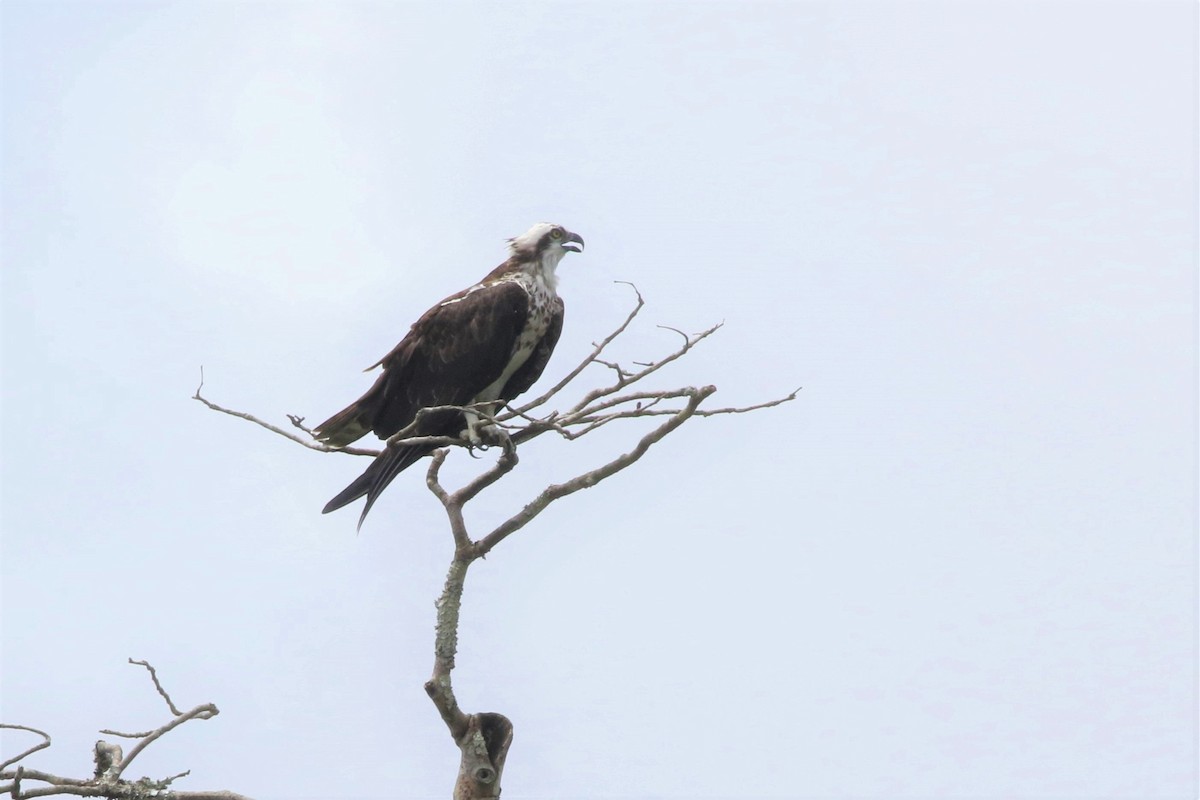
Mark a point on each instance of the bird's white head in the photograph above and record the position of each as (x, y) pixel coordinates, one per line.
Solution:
(545, 243)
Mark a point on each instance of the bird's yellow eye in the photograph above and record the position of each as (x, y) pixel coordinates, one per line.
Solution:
(556, 233)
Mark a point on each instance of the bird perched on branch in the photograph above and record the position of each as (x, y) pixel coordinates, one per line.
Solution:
(485, 344)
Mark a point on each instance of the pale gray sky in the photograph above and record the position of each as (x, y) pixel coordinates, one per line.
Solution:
(962, 563)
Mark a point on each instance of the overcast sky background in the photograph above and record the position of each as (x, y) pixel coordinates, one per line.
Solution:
(962, 563)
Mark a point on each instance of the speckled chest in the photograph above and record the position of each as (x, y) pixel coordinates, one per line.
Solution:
(541, 305)
(541, 310)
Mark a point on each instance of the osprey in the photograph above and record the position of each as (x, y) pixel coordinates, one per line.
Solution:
(485, 344)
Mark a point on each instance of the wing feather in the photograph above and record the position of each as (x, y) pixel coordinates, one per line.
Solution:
(454, 351)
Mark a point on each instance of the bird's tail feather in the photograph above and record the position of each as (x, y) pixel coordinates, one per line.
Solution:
(386, 466)
(345, 427)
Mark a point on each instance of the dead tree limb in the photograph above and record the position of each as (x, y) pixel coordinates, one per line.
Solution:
(483, 739)
(110, 762)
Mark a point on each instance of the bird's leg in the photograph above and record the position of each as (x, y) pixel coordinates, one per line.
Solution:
(481, 433)
(472, 433)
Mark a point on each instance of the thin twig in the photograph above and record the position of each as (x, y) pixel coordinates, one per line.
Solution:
(712, 412)
(593, 423)
(161, 691)
(142, 735)
(173, 778)
(615, 367)
(42, 745)
(686, 338)
(648, 410)
(632, 397)
(312, 445)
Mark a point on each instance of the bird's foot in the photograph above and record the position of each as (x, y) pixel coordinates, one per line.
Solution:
(482, 437)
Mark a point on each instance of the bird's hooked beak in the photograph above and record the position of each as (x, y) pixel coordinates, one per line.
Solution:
(568, 238)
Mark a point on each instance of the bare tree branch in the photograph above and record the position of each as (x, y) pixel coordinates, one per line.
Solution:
(124, 791)
(399, 438)
(42, 745)
(712, 412)
(458, 526)
(25, 773)
(589, 479)
(648, 410)
(504, 465)
(158, 686)
(141, 735)
(577, 415)
(615, 367)
(111, 763)
(205, 711)
(312, 445)
(445, 648)
(431, 477)
(483, 739)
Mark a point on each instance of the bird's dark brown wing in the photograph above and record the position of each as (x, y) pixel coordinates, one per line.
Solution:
(455, 350)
